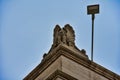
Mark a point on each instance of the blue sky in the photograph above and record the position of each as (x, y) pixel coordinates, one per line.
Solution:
(26, 32)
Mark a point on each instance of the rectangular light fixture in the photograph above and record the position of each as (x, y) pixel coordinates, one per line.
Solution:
(93, 9)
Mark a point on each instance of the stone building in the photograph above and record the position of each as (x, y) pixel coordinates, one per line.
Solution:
(65, 61)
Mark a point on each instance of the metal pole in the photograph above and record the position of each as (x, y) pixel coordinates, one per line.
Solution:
(92, 43)
(92, 9)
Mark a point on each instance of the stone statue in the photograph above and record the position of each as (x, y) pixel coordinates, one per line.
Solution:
(64, 35)
(70, 35)
(56, 33)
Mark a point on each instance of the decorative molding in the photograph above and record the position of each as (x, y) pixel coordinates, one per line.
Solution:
(60, 74)
(70, 54)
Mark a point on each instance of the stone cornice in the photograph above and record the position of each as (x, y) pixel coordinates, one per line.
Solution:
(73, 55)
(60, 74)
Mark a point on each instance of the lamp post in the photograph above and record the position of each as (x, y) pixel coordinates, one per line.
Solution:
(92, 9)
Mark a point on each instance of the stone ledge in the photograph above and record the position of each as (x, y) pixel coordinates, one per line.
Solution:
(60, 74)
(51, 57)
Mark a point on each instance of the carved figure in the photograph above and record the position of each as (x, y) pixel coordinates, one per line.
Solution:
(70, 35)
(64, 35)
(56, 37)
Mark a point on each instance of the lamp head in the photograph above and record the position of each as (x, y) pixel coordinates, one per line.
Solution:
(93, 9)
